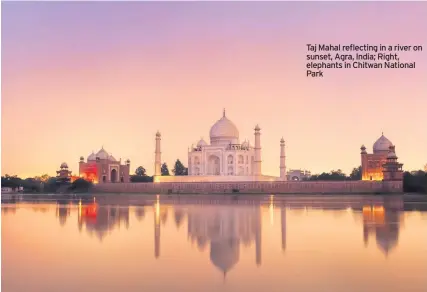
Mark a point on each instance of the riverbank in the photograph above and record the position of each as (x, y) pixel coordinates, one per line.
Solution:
(284, 187)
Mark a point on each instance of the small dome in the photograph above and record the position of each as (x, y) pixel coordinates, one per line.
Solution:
(392, 153)
(201, 143)
(382, 144)
(158, 134)
(102, 154)
(82, 158)
(245, 144)
(224, 130)
(92, 156)
(282, 141)
(64, 165)
(257, 128)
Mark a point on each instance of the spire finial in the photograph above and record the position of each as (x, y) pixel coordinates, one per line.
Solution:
(223, 113)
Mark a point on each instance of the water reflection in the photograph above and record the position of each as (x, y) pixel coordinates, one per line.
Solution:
(102, 220)
(383, 224)
(62, 211)
(224, 228)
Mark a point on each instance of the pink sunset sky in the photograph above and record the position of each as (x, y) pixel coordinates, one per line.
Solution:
(78, 76)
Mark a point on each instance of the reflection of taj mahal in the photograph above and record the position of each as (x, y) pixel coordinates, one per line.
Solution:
(225, 229)
(224, 159)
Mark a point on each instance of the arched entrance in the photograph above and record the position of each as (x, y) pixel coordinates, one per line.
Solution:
(113, 175)
(213, 165)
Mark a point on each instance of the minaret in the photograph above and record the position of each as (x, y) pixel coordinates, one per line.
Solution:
(364, 163)
(158, 160)
(257, 160)
(282, 160)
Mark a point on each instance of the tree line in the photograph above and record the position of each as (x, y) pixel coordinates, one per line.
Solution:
(141, 174)
(45, 184)
(413, 181)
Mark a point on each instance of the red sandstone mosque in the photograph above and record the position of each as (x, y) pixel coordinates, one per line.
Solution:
(382, 164)
(102, 167)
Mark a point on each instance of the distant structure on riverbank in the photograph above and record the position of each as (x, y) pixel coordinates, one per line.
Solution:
(104, 168)
(298, 175)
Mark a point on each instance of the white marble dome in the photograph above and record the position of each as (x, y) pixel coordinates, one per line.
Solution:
(382, 144)
(92, 156)
(102, 154)
(201, 143)
(224, 130)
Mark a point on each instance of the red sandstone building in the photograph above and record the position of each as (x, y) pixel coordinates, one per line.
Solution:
(382, 163)
(104, 168)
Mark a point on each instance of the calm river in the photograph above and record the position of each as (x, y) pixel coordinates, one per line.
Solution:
(163, 243)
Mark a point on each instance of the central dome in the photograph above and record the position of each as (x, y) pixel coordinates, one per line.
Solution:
(224, 131)
(382, 144)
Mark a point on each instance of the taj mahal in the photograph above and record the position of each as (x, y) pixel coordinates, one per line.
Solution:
(224, 158)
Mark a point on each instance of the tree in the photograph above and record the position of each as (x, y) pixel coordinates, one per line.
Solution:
(80, 185)
(51, 185)
(415, 181)
(165, 169)
(140, 171)
(141, 179)
(44, 178)
(334, 175)
(179, 168)
(356, 173)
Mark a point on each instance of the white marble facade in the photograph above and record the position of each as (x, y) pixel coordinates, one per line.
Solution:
(225, 155)
(225, 158)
